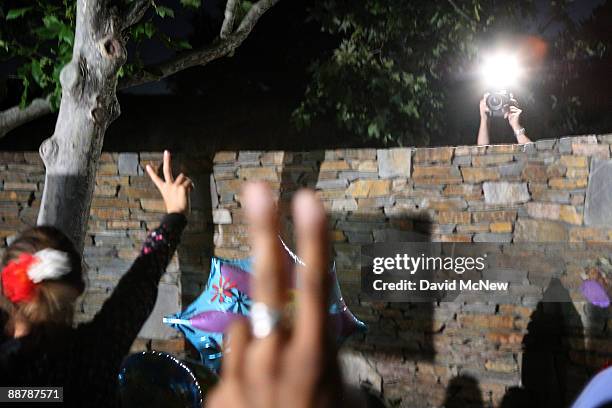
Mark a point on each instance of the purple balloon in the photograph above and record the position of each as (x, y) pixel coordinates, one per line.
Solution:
(595, 293)
(239, 277)
(213, 321)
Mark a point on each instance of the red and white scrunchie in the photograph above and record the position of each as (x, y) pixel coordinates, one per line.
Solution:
(20, 276)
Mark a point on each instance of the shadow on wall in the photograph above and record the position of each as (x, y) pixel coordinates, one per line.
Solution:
(404, 330)
(554, 349)
(550, 375)
(463, 392)
(197, 245)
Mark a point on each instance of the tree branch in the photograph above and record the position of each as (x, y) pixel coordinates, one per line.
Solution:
(461, 12)
(228, 20)
(15, 116)
(135, 13)
(204, 55)
(255, 12)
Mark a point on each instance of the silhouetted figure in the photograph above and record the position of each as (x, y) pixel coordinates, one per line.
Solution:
(548, 378)
(463, 392)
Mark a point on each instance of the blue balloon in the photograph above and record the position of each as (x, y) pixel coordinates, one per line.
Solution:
(226, 298)
(154, 379)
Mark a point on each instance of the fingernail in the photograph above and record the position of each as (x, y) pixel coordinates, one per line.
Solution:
(258, 200)
(308, 211)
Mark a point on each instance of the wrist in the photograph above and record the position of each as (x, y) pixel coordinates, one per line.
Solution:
(519, 131)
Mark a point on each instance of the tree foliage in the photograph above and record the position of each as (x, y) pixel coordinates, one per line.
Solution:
(39, 36)
(389, 75)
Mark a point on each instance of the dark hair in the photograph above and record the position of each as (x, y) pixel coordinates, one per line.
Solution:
(54, 298)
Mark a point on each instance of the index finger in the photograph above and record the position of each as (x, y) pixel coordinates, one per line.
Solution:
(168, 167)
(154, 177)
(270, 280)
(313, 276)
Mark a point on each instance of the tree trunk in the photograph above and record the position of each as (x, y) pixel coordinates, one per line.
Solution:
(89, 104)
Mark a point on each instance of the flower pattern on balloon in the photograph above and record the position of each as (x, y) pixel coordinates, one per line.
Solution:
(222, 289)
(240, 302)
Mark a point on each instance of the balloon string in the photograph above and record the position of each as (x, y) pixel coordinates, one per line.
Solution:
(171, 320)
(291, 254)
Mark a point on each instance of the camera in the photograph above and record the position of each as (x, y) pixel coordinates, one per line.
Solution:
(499, 103)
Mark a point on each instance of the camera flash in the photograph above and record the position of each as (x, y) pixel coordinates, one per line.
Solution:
(501, 71)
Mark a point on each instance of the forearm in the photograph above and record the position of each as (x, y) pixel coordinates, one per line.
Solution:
(483, 132)
(523, 139)
(133, 299)
(521, 135)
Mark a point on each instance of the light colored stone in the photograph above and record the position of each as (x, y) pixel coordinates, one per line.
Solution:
(128, 164)
(224, 157)
(369, 188)
(492, 237)
(589, 149)
(501, 227)
(258, 173)
(344, 204)
(435, 172)
(334, 165)
(526, 230)
(332, 184)
(491, 159)
(222, 216)
(479, 174)
(541, 210)
(574, 161)
(168, 302)
(562, 183)
(504, 192)
(434, 154)
(394, 162)
(365, 166)
(570, 215)
(598, 204)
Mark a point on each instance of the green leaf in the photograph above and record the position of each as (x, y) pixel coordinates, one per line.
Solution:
(38, 74)
(191, 3)
(164, 11)
(149, 29)
(183, 44)
(16, 13)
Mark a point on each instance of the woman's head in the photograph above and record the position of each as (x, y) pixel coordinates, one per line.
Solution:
(41, 277)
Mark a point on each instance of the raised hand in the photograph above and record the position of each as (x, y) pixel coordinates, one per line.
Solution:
(271, 365)
(484, 109)
(175, 192)
(513, 115)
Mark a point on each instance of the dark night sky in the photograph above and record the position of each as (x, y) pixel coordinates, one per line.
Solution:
(250, 95)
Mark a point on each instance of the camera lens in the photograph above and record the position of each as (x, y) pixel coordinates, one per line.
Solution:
(495, 102)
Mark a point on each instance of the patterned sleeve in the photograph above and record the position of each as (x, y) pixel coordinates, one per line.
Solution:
(126, 310)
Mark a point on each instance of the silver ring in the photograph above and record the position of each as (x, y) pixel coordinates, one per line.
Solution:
(264, 320)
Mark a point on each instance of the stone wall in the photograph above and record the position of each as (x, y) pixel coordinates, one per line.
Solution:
(125, 205)
(417, 354)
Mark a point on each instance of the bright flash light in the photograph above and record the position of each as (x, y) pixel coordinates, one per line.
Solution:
(501, 71)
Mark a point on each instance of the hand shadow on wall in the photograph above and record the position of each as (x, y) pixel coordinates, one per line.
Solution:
(463, 391)
(197, 243)
(403, 330)
(550, 376)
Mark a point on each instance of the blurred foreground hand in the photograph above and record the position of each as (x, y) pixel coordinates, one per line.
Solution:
(269, 364)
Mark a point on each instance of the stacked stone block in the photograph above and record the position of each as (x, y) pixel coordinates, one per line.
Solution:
(534, 193)
(125, 205)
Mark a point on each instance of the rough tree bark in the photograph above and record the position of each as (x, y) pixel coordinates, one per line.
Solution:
(89, 102)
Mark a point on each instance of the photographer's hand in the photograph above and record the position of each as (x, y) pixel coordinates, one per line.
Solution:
(513, 116)
(483, 130)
